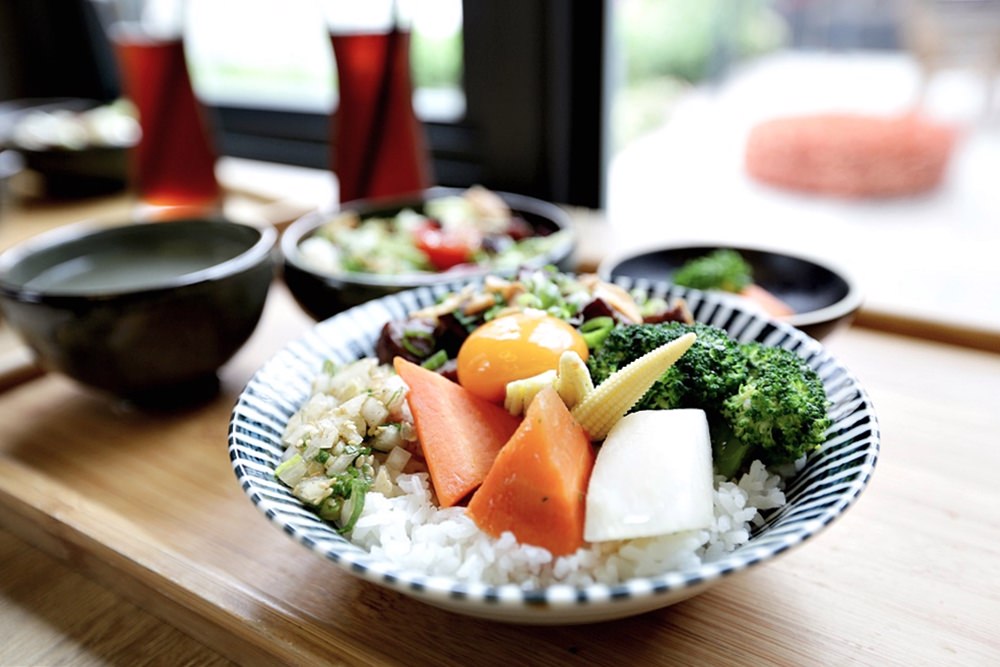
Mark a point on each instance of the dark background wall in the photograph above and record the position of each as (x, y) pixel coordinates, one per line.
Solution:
(54, 48)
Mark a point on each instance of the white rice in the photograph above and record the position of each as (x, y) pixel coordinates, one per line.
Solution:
(402, 523)
(410, 531)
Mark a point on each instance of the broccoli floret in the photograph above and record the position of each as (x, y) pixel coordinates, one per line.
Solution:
(722, 269)
(710, 371)
(780, 412)
(729, 454)
(761, 402)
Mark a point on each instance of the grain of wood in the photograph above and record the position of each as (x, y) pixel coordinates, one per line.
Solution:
(52, 615)
(147, 504)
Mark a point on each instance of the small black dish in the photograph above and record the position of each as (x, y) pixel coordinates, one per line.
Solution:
(67, 172)
(145, 311)
(323, 294)
(823, 297)
(79, 173)
(11, 164)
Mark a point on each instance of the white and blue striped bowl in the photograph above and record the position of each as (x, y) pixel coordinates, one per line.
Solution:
(832, 479)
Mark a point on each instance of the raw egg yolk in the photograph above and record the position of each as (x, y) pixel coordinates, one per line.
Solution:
(514, 347)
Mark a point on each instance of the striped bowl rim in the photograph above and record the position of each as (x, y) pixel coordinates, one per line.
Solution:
(832, 479)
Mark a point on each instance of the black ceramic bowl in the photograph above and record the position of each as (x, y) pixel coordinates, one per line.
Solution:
(11, 164)
(323, 294)
(66, 171)
(83, 172)
(145, 311)
(824, 297)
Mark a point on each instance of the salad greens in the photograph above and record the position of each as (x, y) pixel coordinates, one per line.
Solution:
(476, 228)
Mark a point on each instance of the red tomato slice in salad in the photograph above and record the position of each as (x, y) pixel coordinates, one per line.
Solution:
(446, 249)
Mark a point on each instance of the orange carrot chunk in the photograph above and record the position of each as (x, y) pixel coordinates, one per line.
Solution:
(771, 304)
(460, 433)
(537, 486)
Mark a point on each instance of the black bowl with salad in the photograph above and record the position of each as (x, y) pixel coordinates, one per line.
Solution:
(78, 147)
(336, 259)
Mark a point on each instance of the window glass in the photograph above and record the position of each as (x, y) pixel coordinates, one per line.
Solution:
(277, 55)
(662, 47)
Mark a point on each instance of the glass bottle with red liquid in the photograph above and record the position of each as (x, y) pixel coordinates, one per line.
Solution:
(378, 147)
(173, 165)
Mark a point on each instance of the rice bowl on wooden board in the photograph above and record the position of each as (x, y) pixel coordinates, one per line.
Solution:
(580, 588)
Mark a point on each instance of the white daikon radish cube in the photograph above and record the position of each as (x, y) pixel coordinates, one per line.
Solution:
(653, 476)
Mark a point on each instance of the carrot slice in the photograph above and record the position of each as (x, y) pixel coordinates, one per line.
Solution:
(460, 433)
(766, 300)
(537, 486)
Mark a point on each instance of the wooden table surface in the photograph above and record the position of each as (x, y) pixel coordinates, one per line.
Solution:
(125, 539)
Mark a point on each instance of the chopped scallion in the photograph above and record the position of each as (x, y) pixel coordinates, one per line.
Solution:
(436, 360)
(595, 330)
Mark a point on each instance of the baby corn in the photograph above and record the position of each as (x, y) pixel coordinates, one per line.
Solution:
(520, 392)
(573, 381)
(601, 408)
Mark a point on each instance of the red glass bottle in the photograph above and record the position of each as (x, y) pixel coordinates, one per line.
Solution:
(379, 147)
(173, 164)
